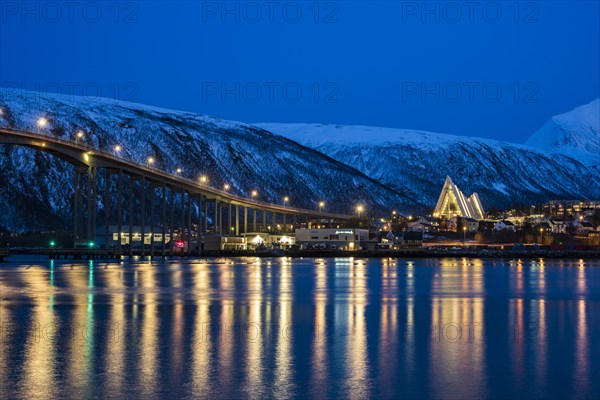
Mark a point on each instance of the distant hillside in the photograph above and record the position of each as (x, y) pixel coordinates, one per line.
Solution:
(417, 162)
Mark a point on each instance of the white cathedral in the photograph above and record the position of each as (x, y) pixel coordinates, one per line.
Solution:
(453, 203)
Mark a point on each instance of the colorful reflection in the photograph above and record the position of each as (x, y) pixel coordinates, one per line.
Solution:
(301, 328)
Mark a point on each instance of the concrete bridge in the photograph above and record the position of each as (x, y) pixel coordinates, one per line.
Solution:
(155, 189)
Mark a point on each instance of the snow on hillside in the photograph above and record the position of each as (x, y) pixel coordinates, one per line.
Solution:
(417, 162)
(575, 133)
(242, 155)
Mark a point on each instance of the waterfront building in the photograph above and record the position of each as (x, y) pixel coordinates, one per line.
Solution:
(342, 239)
(268, 239)
(136, 236)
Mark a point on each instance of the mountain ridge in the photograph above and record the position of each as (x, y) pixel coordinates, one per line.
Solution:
(242, 155)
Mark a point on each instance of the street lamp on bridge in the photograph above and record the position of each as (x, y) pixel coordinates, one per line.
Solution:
(150, 161)
(179, 170)
(118, 148)
(42, 122)
(204, 179)
(226, 186)
(286, 199)
(254, 194)
(79, 136)
(359, 210)
(321, 206)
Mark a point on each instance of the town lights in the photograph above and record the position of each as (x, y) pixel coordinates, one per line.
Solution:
(42, 122)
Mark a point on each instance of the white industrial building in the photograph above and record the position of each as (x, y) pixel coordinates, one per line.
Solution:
(136, 235)
(342, 238)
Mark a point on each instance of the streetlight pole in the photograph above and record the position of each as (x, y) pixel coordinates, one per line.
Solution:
(464, 234)
(321, 206)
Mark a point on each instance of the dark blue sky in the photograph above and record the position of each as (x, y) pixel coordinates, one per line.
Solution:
(491, 69)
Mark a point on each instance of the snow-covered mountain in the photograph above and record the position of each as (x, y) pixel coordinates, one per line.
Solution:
(575, 133)
(36, 188)
(417, 162)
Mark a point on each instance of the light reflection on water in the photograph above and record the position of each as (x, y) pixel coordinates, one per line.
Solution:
(298, 328)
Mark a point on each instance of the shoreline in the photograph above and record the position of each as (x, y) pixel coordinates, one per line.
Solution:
(404, 254)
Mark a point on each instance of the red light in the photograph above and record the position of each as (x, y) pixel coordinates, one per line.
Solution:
(180, 244)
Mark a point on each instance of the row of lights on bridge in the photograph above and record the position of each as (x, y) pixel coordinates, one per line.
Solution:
(43, 122)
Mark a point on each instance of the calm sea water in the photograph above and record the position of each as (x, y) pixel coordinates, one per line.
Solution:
(300, 328)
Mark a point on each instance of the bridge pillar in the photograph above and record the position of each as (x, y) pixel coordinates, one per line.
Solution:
(94, 203)
(76, 216)
(237, 220)
(229, 225)
(130, 215)
(284, 221)
(199, 229)
(182, 224)
(205, 215)
(89, 198)
(171, 219)
(106, 207)
(120, 207)
(143, 215)
(264, 220)
(254, 221)
(216, 216)
(220, 218)
(152, 218)
(189, 224)
(164, 218)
